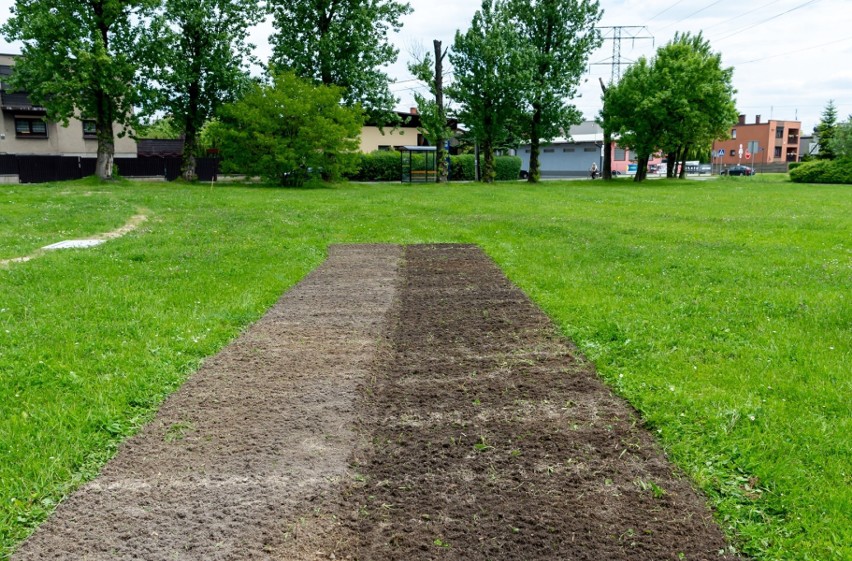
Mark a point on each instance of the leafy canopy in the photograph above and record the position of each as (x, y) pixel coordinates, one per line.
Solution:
(289, 129)
(340, 42)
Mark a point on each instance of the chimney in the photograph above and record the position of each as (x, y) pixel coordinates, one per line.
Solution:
(757, 119)
(741, 120)
(413, 111)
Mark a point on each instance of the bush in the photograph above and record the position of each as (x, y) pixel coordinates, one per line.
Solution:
(463, 167)
(507, 167)
(385, 166)
(823, 171)
(793, 165)
(378, 166)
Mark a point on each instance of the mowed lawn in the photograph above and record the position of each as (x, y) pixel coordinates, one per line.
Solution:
(722, 310)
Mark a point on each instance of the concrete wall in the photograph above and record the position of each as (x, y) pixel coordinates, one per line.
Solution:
(563, 159)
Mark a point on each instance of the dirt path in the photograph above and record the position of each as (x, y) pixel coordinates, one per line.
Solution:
(134, 222)
(399, 403)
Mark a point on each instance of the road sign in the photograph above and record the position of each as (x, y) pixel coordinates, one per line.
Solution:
(748, 155)
(721, 152)
(740, 152)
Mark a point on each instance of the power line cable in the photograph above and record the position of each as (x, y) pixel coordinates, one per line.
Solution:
(655, 16)
(793, 9)
(793, 52)
(690, 15)
(741, 15)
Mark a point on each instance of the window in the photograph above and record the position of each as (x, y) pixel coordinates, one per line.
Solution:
(548, 150)
(734, 134)
(593, 149)
(619, 154)
(733, 152)
(567, 149)
(30, 128)
(779, 132)
(90, 129)
(777, 151)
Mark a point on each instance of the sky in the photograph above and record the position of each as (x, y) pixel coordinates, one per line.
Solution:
(790, 57)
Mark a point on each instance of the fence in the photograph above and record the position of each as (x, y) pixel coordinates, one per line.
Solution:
(41, 169)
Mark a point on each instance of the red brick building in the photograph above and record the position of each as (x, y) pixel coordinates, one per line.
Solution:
(771, 143)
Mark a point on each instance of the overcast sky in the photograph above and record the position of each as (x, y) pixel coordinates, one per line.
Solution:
(789, 56)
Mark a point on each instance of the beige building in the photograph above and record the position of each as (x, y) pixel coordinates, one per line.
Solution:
(24, 131)
(375, 138)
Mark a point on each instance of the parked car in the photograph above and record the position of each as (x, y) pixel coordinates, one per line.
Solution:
(738, 170)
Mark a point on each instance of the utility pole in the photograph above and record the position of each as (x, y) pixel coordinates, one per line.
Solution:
(440, 153)
(616, 34)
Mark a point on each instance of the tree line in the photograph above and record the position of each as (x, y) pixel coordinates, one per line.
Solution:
(515, 73)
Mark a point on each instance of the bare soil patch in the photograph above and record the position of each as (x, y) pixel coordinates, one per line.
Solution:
(399, 403)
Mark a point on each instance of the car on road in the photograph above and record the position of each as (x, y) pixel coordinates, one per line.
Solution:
(738, 170)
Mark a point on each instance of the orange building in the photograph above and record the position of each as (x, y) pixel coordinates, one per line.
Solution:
(770, 144)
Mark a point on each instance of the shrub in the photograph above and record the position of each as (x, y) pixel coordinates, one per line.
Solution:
(823, 171)
(793, 165)
(507, 167)
(378, 166)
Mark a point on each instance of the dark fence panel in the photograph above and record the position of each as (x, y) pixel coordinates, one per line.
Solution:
(42, 169)
(207, 169)
(140, 167)
(8, 164)
(39, 169)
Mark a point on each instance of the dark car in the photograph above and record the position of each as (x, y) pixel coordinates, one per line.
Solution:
(738, 170)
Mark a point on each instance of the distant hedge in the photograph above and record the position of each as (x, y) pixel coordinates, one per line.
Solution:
(793, 165)
(385, 166)
(823, 171)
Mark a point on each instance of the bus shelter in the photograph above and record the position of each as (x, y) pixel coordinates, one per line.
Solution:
(419, 164)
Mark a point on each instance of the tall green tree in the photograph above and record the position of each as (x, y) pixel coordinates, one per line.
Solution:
(79, 60)
(340, 42)
(490, 62)
(287, 129)
(198, 54)
(826, 130)
(631, 112)
(562, 35)
(841, 144)
(697, 95)
(433, 112)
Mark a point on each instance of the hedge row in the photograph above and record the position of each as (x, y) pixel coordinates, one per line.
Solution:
(385, 166)
(823, 171)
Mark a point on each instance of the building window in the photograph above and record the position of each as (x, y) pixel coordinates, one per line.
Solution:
(548, 150)
(779, 132)
(90, 129)
(619, 154)
(777, 151)
(30, 128)
(567, 149)
(733, 153)
(592, 149)
(734, 134)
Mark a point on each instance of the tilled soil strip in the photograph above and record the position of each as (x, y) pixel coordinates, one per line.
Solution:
(250, 441)
(398, 404)
(486, 436)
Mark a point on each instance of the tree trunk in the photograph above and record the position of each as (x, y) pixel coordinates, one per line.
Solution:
(535, 144)
(607, 156)
(190, 134)
(671, 162)
(641, 169)
(488, 165)
(683, 153)
(106, 139)
(440, 151)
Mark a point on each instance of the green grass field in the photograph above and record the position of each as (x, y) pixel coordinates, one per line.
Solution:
(722, 310)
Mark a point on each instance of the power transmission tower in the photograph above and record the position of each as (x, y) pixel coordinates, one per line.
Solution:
(617, 34)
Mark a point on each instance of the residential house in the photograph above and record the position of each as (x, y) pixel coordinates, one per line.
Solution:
(394, 137)
(769, 145)
(24, 130)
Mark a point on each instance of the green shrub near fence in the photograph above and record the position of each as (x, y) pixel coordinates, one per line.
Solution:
(793, 165)
(823, 171)
(385, 166)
